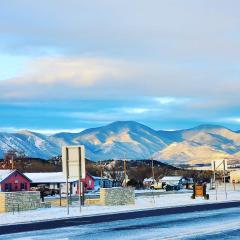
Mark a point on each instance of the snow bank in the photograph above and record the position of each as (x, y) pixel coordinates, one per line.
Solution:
(161, 201)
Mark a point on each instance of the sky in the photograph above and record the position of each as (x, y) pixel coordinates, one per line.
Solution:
(68, 65)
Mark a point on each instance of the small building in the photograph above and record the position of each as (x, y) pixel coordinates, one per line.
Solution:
(88, 183)
(13, 181)
(235, 176)
(57, 180)
(102, 183)
(53, 181)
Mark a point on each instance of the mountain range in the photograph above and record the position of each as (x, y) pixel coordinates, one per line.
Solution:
(132, 140)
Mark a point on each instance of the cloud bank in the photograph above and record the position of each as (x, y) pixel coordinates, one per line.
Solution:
(172, 62)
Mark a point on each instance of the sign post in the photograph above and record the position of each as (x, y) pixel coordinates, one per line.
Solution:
(220, 165)
(73, 160)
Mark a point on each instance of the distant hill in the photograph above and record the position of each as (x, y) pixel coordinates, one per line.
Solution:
(132, 140)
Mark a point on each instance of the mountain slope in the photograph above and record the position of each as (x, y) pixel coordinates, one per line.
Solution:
(201, 145)
(189, 153)
(117, 140)
(32, 144)
(132, 140)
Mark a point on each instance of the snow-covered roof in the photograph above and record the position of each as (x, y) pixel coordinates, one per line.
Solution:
(99, 178)
(5, 173)
(172, 178)
(48, 177)
(148, 180)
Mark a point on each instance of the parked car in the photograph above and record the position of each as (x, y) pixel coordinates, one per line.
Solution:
(172, 187)
(46, 191)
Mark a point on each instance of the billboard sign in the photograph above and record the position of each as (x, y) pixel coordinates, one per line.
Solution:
(73, 161)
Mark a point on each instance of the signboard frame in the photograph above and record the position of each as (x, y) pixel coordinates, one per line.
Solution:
(73, 164)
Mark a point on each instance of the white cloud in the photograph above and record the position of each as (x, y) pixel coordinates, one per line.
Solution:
(46, 131)
(231, 120)
(170, 100)
(135, 110)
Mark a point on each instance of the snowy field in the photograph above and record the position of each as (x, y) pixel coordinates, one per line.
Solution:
(215, 224)
(161, 201)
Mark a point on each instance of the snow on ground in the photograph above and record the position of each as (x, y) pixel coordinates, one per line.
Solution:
(143, 202)
(215, 224)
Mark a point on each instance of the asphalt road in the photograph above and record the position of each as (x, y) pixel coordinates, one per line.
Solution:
(209, 221)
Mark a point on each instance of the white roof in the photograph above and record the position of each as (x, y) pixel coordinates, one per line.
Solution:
(148, 179)
(172, 178)
(48, 177)
(99, 178)
(5, 173)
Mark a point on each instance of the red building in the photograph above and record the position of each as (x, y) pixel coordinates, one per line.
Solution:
(13, 181)
(88, 182)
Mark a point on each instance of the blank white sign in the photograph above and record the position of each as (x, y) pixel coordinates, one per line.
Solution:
(219, 165)
(73, 159)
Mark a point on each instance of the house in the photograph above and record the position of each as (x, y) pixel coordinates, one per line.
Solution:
(102, 182)
(88, 182)
(13, 181)
(57, 180)
(53, 180)
(235, 176)
(174, 181)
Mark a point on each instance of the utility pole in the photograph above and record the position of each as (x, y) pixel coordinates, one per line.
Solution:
(101, 172)
(214, 173)
(153, 180)
(125, 173)
(153, 171)
(12, 161)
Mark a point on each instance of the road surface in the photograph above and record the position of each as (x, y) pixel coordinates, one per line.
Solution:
(213, 224)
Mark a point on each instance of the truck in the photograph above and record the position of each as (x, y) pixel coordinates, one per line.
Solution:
(156, 185)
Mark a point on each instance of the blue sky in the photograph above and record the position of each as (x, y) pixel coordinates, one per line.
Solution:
(71, 65)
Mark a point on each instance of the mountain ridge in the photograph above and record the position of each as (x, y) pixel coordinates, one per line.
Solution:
(132, 140)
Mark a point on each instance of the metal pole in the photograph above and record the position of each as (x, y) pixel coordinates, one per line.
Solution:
(214, 174)
(225, 187)
(153, 181)
(216, 190)
(152, 170)
(79, 180)
(101, 174)
(67, 174)
(125, 173)
(60, 195)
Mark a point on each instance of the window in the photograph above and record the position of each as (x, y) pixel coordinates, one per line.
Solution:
(8, 187)
(23, 186)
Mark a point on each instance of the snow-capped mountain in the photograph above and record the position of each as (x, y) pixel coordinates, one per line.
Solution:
(132, 140)
(201, 145)
(32, 144)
